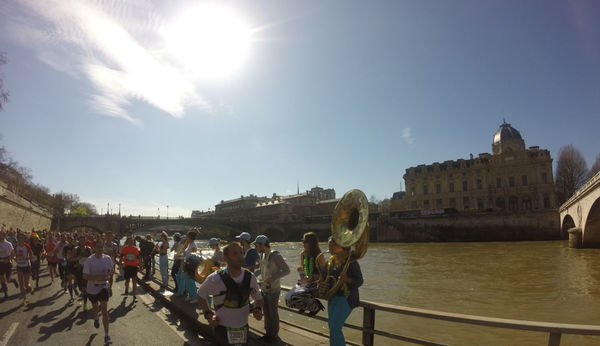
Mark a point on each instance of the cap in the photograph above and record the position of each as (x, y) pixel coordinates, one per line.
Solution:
(165, 234)
(177, 235)
(262, 239)
(246, 236)
(213, 241)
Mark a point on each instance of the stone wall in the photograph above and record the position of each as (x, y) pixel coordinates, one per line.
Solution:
(531, 225)
(17, 212)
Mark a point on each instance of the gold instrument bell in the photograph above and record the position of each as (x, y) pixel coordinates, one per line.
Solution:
(350, 223)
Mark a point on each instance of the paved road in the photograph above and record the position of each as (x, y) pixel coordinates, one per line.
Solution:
(50, 319)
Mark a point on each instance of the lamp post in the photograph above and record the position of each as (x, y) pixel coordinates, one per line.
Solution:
(167, 211)
(158, 213)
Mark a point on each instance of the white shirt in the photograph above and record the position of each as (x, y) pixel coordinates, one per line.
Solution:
(228, 317)
(22, 255)
(6, 249)
(97, 266)
(188, 251)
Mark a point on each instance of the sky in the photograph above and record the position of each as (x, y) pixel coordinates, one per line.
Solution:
(150, 104)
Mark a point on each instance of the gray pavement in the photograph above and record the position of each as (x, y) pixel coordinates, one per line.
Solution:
(50, 319)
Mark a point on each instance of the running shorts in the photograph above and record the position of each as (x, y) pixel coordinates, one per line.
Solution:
(130, 271)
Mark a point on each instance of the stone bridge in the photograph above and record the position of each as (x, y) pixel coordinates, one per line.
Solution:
(224, 228)
(581, 213)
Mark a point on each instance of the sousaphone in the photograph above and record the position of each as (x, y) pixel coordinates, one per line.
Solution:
(350, 229)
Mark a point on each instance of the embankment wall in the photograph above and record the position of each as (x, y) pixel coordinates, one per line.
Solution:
(17, 212)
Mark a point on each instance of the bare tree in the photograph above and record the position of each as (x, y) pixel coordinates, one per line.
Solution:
(595, 167)
(64, 201)
(571, 172)
(3, 93)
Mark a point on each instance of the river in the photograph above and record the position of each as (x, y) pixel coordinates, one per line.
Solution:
(540, 281)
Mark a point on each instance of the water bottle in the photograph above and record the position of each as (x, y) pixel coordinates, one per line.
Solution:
(302, 273)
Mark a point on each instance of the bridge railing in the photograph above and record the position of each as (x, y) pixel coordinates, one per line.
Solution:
(370, 309)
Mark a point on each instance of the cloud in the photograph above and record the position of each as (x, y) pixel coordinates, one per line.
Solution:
(115, 45)
(406, 135)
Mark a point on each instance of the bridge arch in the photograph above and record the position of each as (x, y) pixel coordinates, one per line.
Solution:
(591, 235)
(567, 224)
(71, 227)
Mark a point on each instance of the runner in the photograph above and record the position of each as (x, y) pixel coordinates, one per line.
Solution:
(60, 258)
(71, 269)
(84, 251)
(38, 252)
(97, 270)
(23, 255)
(231, 288)
(51, 257)
(6, 250)
(111, 249)
(131, 260)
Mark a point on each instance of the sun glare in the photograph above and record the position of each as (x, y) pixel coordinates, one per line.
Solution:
(210, 42)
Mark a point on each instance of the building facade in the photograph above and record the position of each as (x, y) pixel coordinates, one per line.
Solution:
(512, 178)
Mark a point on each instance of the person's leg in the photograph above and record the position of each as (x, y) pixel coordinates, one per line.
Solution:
(270, 308)
(192, 289)
(174, 271)
(180, 282)
(164, 270)
(339, 310)
(103, 307)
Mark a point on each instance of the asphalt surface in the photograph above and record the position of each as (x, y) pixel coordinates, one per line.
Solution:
(50, 318)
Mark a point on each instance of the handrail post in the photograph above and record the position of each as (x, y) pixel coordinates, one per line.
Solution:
(554, 339)
(368, 337)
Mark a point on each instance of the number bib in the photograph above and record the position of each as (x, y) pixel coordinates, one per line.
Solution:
(130, 257)
(237, 335)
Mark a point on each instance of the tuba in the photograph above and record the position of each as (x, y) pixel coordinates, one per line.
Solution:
(350, 229)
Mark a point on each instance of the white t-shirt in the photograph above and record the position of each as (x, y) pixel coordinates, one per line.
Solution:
(22, 256)
(97, 266)
(60, 250)
(6, 249)
(228, 317)
(188, 251)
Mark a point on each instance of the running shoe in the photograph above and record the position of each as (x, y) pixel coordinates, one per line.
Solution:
(107, 340)
(96, 324)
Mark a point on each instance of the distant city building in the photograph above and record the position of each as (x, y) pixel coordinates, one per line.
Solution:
(512, 178)
(239, 204)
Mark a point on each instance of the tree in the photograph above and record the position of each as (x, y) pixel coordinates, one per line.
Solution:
(89, 208)
(3, 93)
(595, 167)
(64, 201)
(571, 172)
(79, 210)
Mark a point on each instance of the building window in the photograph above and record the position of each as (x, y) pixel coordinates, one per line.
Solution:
(452, 202)
(479, 203)
(524, 180)
(465, 186)
(426, 204)
(438, 203)
(544, 178)
(438, 188)
(498, 182)
(425, 189)
(511, 181)
(451, 187)
(526, 203)
(479, 184)
(513, 203)
(546, 201)
(500, 203)
(466, 202)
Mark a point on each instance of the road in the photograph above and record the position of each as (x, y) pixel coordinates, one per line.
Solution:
(50, 319)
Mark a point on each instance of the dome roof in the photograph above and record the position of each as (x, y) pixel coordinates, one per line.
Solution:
(507, 139)
(506, 132)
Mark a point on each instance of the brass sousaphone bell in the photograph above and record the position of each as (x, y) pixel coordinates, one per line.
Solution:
(350, 223)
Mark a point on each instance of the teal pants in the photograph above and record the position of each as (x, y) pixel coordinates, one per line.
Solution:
(338, 311)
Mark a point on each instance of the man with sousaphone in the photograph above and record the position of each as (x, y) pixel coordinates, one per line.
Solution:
(342, 277)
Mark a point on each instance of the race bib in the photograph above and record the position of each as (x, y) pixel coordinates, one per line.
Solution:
(237, 335)
(130, 257)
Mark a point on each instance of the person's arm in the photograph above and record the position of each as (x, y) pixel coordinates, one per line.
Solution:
(204, 290)
(282, 267)
(257, 310)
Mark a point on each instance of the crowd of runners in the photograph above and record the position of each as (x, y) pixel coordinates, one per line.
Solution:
(82, 264)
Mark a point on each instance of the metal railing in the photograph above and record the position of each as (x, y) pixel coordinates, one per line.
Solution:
(369, 330)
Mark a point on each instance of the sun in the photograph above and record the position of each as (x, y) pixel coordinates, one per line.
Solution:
(208, 41)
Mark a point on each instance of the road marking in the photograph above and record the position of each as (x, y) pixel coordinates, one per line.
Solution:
(8, 334)
(162, 315)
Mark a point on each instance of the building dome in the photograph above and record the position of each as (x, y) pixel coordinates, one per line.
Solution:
(507, 138)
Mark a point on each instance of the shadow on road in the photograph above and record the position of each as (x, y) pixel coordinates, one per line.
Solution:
(65, 324)
(120, 310)
(50, 316)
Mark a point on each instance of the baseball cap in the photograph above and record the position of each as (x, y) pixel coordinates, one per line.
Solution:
(261, 239)
(213, 241)
(245, 235)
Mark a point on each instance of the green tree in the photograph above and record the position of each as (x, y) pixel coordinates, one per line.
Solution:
(79, 210)
(571, 172)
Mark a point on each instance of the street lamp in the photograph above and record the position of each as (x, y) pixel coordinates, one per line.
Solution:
(158, 213)
(167, 212)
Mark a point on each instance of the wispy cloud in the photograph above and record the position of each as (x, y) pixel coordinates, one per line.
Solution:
(115, 45)
(406, 135)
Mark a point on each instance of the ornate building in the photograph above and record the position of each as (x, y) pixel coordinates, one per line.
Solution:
(512, 178)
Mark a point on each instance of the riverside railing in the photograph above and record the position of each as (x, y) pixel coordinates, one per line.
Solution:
(369, 330)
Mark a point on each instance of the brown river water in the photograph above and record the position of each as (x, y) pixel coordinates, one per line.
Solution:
(538, 281)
